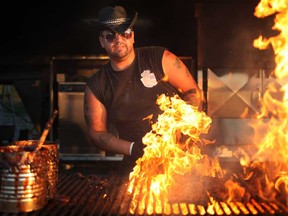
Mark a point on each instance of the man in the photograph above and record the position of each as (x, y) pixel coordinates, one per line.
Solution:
(124, 91)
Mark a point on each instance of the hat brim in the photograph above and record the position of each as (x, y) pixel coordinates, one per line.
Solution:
(120, 28)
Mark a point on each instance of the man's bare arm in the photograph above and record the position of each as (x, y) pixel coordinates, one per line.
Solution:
(95, 116)
(179, 76)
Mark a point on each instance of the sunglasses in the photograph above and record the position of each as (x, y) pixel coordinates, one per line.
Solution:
(110, 37)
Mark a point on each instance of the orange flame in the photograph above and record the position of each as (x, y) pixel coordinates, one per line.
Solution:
(172, 148)
(279, 42)
(272, 148)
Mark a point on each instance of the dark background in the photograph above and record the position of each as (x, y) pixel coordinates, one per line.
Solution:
(215, 33)
(60, 27)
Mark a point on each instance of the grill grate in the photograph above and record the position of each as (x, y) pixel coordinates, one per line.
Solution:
(102, 195)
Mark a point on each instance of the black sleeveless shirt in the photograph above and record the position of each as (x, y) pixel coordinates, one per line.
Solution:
(130, 95)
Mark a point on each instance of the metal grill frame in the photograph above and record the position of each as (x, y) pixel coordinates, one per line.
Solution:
(82, 195)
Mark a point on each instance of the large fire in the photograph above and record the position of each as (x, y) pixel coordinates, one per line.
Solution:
(271, 153)
(174, 148)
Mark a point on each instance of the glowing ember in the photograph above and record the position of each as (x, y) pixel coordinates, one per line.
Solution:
(173, 148)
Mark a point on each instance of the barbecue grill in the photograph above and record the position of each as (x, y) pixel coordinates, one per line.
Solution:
(94, 192)
(104, 191)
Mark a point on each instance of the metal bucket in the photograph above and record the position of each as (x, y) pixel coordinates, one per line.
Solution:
(26, 185)
(50, 150)
(23, 183)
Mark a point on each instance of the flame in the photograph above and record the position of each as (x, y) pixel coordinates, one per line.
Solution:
(173, 147)
(278, 42)
(270, 155)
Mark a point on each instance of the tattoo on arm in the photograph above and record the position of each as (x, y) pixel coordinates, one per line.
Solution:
(188, 73)
(100, 138)
(177, 63)
(191, 97)
(105, 138)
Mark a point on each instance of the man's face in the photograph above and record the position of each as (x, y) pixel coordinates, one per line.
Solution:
(117, 45)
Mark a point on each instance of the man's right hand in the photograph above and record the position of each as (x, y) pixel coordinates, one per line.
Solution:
(137, 149)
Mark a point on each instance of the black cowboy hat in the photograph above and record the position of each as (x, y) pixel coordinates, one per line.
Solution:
(116, 19)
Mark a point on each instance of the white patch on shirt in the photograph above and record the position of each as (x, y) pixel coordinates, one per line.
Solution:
(148, 79)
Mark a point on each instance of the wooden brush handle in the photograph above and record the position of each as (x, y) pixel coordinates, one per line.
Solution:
(46, 131)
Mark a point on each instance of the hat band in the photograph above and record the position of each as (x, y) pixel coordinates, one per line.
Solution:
(117, 21)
